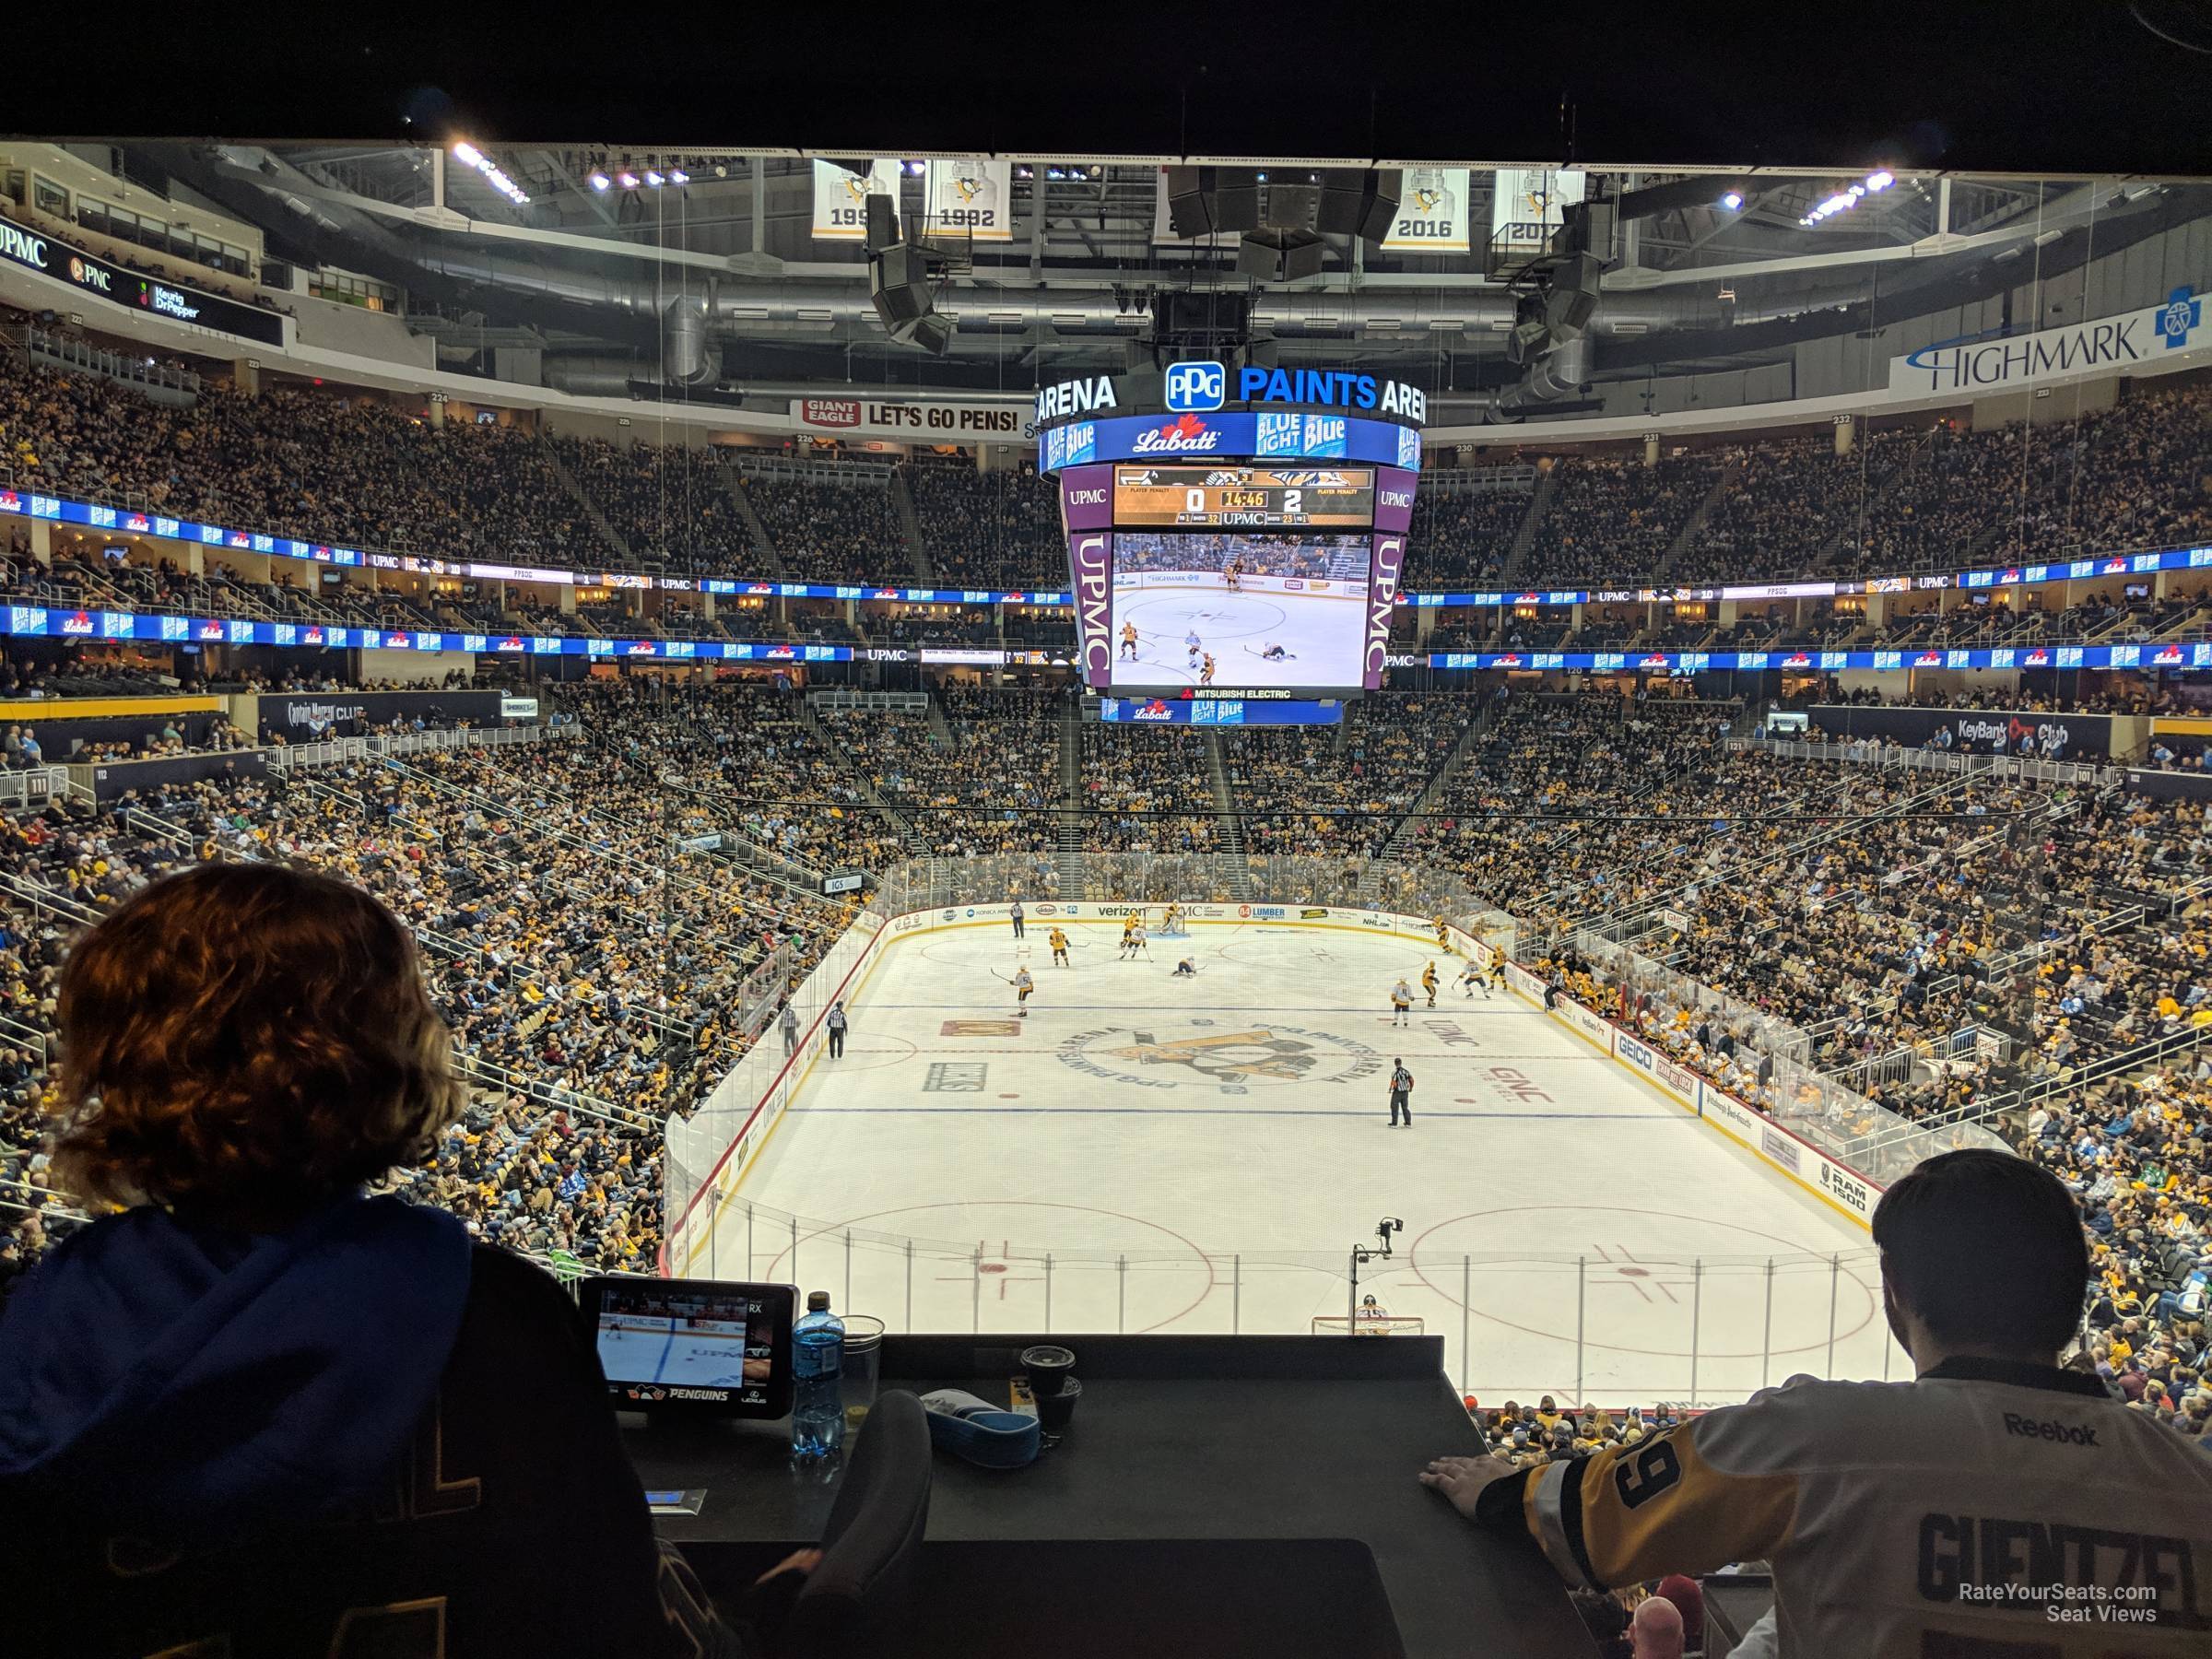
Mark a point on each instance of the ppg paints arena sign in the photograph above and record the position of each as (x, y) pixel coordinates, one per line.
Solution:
(1221, 1059)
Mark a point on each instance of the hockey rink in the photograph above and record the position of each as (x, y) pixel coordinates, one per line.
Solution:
(1325, 637)
(1151, 1153)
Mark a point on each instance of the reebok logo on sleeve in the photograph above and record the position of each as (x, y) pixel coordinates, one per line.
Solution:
(2072, 1434)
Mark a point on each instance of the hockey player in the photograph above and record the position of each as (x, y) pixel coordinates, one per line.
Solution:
(1429, 982)
(1401, 1003)
(1987, 1507)
(1168, 921)
(1497, 971)
(1206, 673)
(1443, 935)
(1136, 942)
(1059, 944)
(1128, 945)
(1023, 984)
(1273, 653)
(1186, 969)
(1129, 641)
(1235, 574)
(1192, 645)
(1470, 977)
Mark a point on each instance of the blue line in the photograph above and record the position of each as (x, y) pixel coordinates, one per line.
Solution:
(661, 1364)
(1605, 1117)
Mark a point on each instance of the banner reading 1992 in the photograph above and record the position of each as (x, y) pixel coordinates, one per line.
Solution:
(972, 197)
(841, 200)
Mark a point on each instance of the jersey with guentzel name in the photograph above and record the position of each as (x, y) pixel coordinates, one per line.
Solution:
(2004, 1512)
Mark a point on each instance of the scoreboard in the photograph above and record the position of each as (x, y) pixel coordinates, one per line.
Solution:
(1234, 497)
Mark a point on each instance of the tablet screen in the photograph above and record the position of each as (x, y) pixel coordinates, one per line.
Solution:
(692, 1342)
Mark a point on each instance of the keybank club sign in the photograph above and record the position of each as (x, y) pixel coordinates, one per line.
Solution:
(2143, 336)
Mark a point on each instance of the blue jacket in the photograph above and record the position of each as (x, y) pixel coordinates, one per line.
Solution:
(194, 1383)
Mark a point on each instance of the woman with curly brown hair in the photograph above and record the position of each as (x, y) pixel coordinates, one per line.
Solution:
(254, 1408)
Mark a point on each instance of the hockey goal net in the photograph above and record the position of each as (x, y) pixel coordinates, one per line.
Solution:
(1366, 1325)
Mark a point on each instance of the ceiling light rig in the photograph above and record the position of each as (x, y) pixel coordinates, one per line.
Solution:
(1849, 196)
(469, 155)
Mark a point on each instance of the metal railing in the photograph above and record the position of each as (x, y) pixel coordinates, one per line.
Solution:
(1897, 757)
(21, 789)
(1689, 1329)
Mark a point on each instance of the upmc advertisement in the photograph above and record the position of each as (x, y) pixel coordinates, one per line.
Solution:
(36, 250)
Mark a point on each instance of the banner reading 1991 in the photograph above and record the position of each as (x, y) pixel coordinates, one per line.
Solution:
(841, 200)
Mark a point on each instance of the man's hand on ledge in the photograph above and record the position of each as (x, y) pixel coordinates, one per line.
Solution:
(1461, 1480)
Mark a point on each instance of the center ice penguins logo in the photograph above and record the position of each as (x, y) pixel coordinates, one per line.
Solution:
(1228, 1060)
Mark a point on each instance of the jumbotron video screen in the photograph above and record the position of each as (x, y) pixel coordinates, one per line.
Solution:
(1238, 610)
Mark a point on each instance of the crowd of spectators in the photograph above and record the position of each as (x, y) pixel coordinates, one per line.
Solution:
(990, 784)
(998, 529)
(1148, 789)
(312, 464)
(666, 504)
(1616, 518)
(1462, 540)
(337, 466)
(1339, 792)
(1844, 919)
(843, 531)
(1317, 555)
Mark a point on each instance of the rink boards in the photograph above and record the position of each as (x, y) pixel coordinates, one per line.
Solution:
(846, 976)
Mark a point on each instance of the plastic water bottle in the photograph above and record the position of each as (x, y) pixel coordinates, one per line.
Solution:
(818, 1412)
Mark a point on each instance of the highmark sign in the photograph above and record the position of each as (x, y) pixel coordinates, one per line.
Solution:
(2136, 337)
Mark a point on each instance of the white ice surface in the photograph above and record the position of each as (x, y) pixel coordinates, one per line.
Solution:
(1207, 1188)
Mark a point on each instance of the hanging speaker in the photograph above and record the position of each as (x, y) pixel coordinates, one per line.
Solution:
(1280, 255)
(1291, 206)
(1187, 210)
(1572, 295)
(933, 332)
(1359, 203)
(882, 222)
(1236, 197)
(898, 286)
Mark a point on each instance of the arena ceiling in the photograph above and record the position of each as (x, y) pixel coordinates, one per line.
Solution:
(585, 276)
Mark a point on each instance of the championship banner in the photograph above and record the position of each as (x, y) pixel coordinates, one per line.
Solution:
(1527, 204)
(972, 197)
(841, 201)
(1432, 212)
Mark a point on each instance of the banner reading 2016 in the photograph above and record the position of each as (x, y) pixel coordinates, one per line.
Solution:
(1432, 212)
(975, 197)
(841, 201)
